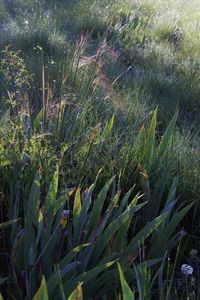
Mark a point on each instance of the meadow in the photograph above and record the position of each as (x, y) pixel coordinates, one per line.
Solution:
(99, 149)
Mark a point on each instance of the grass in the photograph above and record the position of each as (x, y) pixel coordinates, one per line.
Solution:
(99, 150)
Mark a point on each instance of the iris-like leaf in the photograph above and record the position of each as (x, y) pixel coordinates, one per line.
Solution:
(98, 205)
(42, 293)
(166, 139)
(142, 235)
(31, 218)
(127, 294)
(77, 293)
(151, 141)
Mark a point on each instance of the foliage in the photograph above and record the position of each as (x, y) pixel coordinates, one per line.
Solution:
(104, 103)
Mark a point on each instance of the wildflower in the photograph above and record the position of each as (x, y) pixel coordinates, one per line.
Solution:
(187, 269)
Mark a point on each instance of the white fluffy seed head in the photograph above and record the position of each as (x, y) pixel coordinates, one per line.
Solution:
(187, 269)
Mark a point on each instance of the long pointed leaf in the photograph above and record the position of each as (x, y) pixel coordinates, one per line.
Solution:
(127, 294)
(151, 141)
(31, 218)
(166, 139)
(42, 293)
(98, 205)
(142, 235)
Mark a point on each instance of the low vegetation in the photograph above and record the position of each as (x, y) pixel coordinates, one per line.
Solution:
(99, 150)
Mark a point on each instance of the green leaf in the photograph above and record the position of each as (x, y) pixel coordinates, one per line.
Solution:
(114, 227)
(86, 276)
(80, 222)
(153, 206)
(63, 149)
(172, 192)
(127, 294)
(77, 294)
(54, 280)
(40, 224)
(5, 162)
(77, 207)
(163, 237)
(151, 140)
(120, 240)
(124, 201)
(142, 235)
(98, 206)
(69, 257)
(31, 220)
(5, 119)
(60, 203)
(166, 139)
(42, 293)
(142, 145)
(37, 120)
(108, 128)
(51, 198)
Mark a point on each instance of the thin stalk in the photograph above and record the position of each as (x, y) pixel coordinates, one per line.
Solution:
(88, 152)
(64, 80)
(77, 64)
(173, 270)
(43, 92)
(92, 74)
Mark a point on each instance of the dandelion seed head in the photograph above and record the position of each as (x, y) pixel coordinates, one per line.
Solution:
(187, 269)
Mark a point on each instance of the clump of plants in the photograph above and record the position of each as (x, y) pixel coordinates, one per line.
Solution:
(62, 226)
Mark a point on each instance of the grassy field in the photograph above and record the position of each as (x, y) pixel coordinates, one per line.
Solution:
(99, 149)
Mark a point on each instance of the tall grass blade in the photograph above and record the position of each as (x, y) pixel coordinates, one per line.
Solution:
(51, 198)
(151, 140)
(31, 218)
(166, 139)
